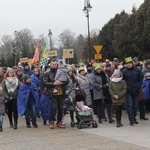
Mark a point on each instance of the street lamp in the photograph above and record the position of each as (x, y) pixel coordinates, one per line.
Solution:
(86, 10)
(50, 40)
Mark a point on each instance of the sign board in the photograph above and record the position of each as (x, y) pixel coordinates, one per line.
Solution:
(68, 53)
(98, 56)
(23, 60)
(51, 53)
(98, 48)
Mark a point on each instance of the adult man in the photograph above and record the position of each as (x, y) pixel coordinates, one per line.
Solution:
(133, 78)
(56, 98)
(117, 64)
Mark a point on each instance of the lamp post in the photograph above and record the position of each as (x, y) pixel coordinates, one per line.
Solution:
(50, 40)
(86, 10)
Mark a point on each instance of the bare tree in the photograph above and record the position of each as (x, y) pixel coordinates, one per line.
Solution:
(24, 42)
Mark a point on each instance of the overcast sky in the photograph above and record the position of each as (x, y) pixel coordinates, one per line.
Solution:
(41, 15)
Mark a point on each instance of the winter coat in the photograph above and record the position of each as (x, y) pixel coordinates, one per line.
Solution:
(2, 104)
(133, 78)
(119, 89)
(10, 95)
(98, 90)
(61, 74)
(23, 97)
(72, 85)
(84, 83)
(48, 81)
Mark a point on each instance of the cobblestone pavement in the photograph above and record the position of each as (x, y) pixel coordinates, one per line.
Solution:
(44, 138)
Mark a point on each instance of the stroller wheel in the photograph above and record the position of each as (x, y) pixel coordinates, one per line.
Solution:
(79, 126)
(72, 124)
(94, 125)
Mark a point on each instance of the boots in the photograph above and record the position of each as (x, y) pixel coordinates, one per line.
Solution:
(118, 124)
(99, 113)
(15, 125)
(108, 108)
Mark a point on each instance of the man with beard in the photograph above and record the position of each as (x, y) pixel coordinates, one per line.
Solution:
(56, 98)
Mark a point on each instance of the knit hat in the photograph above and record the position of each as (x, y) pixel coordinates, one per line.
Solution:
(18, 69)
(81, 69)
(60, 62)
(107, 65)
(98, 66)
(128, 59)
(25, 77)
(10, 70)
(116, 60)
(135, 59)
(117, 73)
(147, 62)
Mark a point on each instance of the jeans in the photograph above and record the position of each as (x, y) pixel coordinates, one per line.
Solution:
(30, 112)
(131, 104)
(1, 120)
(57, 107)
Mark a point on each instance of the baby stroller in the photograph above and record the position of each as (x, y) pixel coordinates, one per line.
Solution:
(83, 113)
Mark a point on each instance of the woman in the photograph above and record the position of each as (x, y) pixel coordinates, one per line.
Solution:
(73, 83)
(10, 87)
(101, 92)
(84, 83)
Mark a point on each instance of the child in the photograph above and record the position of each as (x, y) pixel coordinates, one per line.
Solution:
(61, 74)
(2, 108)
(81, 107)
(118, 89)
(28, 101)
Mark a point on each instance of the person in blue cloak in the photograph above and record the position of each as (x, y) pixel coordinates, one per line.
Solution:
(28, 101)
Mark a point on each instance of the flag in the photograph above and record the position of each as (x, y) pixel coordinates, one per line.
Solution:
(36, 54)
(44, 57)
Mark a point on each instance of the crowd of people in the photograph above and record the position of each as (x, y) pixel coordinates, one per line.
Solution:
(41, 91)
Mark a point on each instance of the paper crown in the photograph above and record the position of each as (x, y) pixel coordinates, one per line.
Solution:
(128, 59)
(80, 69)
(98, 66)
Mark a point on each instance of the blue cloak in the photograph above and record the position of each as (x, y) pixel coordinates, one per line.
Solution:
(46, 107)
(35, 79)
(23, 96)
(146, 89)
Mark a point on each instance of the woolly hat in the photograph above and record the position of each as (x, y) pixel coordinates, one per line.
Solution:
(10, 70)
(135, 59)
(147, 62)
(98, 66)
(117, 73)
(128, 59)
(107, 65)
(81, 69)
(60, 62)
(25, 77)
(18, 69)
(116, 60)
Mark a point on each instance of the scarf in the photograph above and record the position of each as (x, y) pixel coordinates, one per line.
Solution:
(11, 84)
